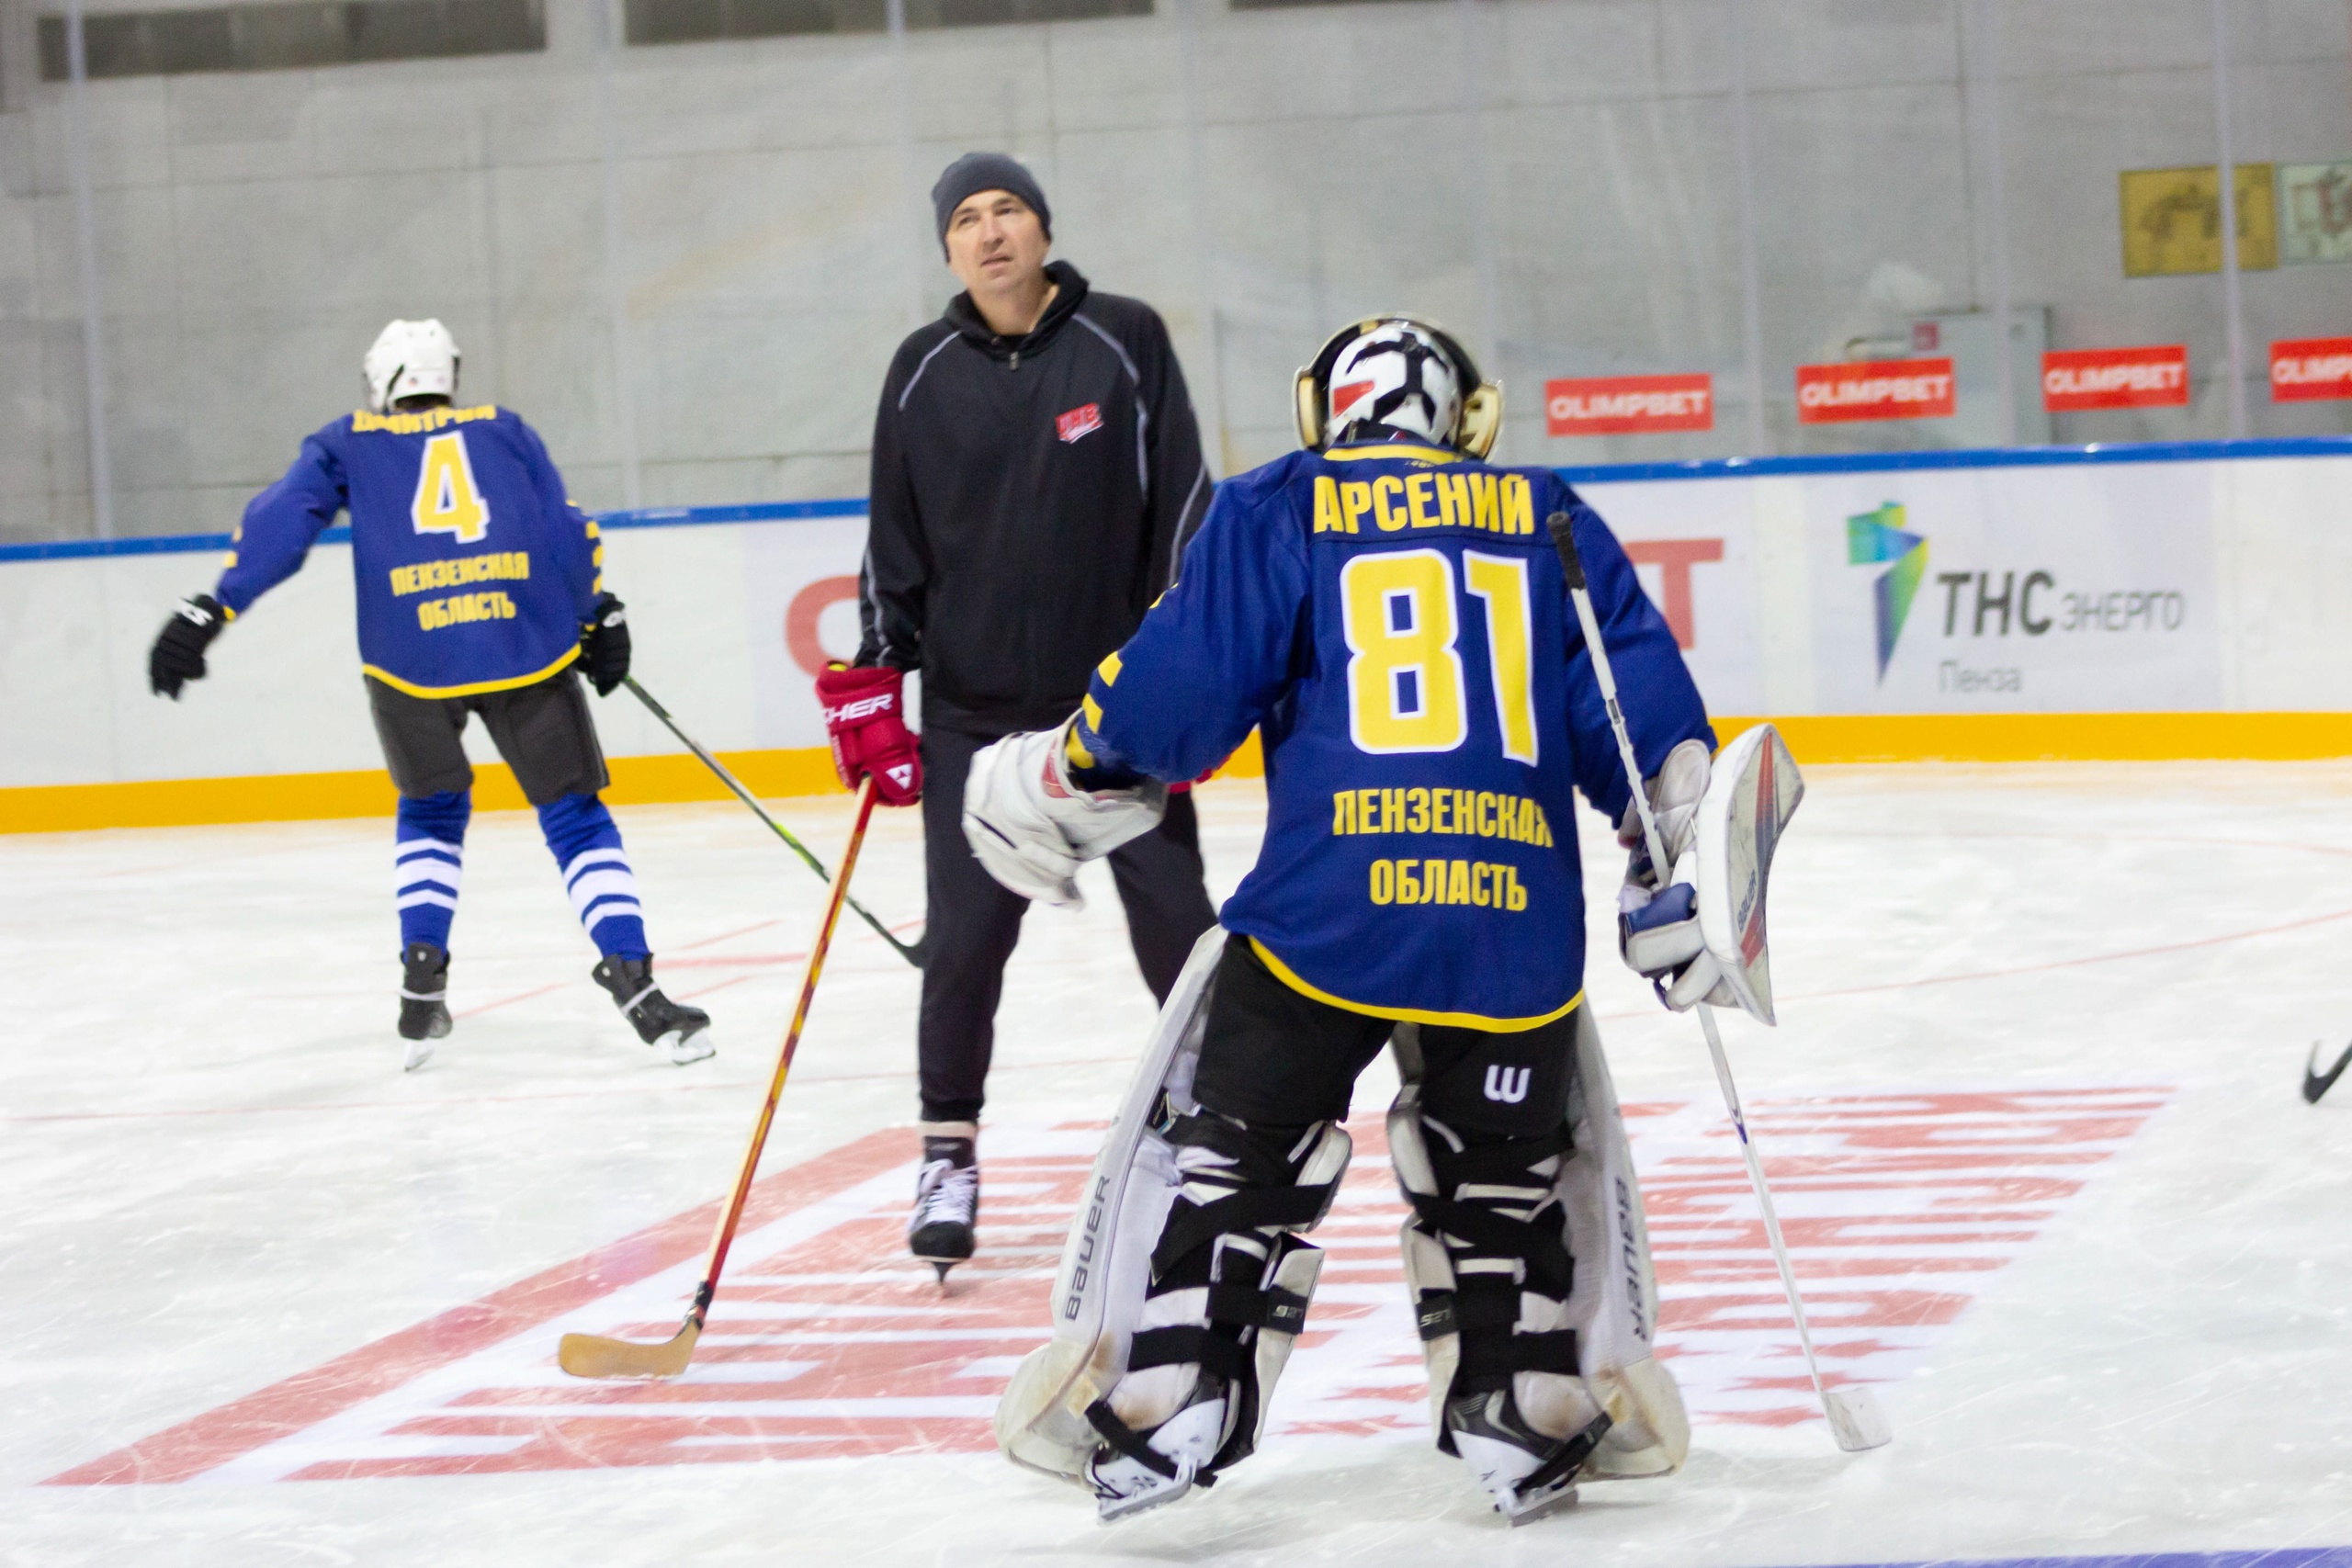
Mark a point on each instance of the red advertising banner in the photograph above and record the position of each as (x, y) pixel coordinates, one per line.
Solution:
(2311, 370)
(1874, 389)
(2074, 380)
(1629, 405)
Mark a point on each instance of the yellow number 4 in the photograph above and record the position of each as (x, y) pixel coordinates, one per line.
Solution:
(446, 500)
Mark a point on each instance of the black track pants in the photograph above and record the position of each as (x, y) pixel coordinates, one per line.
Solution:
(973, 924)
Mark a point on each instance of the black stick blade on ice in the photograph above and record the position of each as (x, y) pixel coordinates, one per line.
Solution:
(2316, 1083)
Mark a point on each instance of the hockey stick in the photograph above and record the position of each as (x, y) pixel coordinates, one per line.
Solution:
(2316, 1083)
(911, 954)
(593, 1355)
(1855, 1419)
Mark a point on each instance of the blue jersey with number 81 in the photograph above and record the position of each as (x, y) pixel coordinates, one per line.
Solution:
(473, 570)
(1395, 620)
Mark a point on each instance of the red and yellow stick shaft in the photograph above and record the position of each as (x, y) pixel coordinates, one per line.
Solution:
(723, 1236)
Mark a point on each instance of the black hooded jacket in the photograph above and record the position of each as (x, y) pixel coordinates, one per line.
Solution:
(1031, 496)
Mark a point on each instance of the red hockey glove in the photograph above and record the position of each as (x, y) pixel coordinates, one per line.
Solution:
(865, 717)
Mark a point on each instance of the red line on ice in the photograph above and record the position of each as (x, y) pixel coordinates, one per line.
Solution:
(307, 1398)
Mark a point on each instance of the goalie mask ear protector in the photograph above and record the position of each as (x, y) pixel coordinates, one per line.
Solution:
(1479, 421)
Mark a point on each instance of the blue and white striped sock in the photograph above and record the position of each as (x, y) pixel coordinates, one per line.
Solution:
(586, 843)
(428, 864)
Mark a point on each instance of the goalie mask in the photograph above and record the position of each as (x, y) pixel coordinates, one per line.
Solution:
(1402, 372)
(409, 359)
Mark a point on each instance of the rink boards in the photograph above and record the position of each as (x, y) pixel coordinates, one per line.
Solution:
(2157, 601)
(1901, 1209)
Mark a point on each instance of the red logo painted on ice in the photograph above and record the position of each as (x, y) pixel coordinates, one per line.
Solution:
(828, 1341)
(1875, 389)
(1080, 421)
(2076, 378)
(2311, 370)
(1628, 405)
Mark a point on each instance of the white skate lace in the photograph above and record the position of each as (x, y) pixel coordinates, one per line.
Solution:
(945, 1192)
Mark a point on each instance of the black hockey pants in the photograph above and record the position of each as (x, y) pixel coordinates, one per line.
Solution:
(973, 924)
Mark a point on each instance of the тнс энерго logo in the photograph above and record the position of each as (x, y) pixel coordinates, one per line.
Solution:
(1875, 537)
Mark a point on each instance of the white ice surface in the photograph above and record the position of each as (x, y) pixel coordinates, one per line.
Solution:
(214, 1178)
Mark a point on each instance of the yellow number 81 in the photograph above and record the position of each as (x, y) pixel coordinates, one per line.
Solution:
(1405, 688)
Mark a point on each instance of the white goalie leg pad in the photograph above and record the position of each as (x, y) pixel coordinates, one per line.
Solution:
(1613, 1308)
(1106, 1262)
(1565, 1356)
(1491, 1281)
(1229, 1292)
(1074, 1400)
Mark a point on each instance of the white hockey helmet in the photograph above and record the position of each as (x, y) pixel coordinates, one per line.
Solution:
(409, 359)
(1403, 372)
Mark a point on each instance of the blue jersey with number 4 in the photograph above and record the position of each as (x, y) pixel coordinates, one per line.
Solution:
(1395, 620)
(473, 570)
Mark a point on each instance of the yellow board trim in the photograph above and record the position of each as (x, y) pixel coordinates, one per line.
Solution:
(2058, 737)
(1816, 740)
(310, 797)
(396, 683)
(1410, 1015)
(1382, 454)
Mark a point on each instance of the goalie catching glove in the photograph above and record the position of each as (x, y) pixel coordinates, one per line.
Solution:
(1033, 827)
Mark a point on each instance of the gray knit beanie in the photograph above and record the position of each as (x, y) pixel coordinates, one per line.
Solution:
(976, 172)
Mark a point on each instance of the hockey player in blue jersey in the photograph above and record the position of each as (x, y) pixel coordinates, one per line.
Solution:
(481, 591)
(1391, 614)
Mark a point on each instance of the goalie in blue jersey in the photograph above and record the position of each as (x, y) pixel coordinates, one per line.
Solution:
(1391, 615)
(480, 593)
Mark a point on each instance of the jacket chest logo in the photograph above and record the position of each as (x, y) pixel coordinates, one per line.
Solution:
(1083, 420)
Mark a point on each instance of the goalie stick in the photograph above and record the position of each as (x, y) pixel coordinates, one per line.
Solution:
(1855, 1419)
(914, 955)
(2316, 1083)
(594, 1356)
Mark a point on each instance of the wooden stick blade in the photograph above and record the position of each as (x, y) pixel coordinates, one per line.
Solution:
(1856, 1420)
(593, 1356)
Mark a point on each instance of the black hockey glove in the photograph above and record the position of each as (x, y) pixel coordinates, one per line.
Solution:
(603, 645)
(177, 656)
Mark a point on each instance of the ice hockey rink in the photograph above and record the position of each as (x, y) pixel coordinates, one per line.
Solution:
(2031, 1113)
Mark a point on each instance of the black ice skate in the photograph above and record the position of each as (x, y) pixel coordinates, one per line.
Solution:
(657, 1019)
(424, 1007)
(947, 1204)
(1528, 1473)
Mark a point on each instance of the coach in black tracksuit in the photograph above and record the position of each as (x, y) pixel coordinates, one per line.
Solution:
(1031, 489)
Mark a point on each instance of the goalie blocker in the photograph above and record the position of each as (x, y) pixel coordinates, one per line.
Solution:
(1185, 1280)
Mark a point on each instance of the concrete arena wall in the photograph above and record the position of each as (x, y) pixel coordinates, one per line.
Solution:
(771, 242)
(2187, 600)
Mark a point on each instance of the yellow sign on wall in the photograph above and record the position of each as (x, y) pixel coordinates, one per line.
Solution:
(2172, 221)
